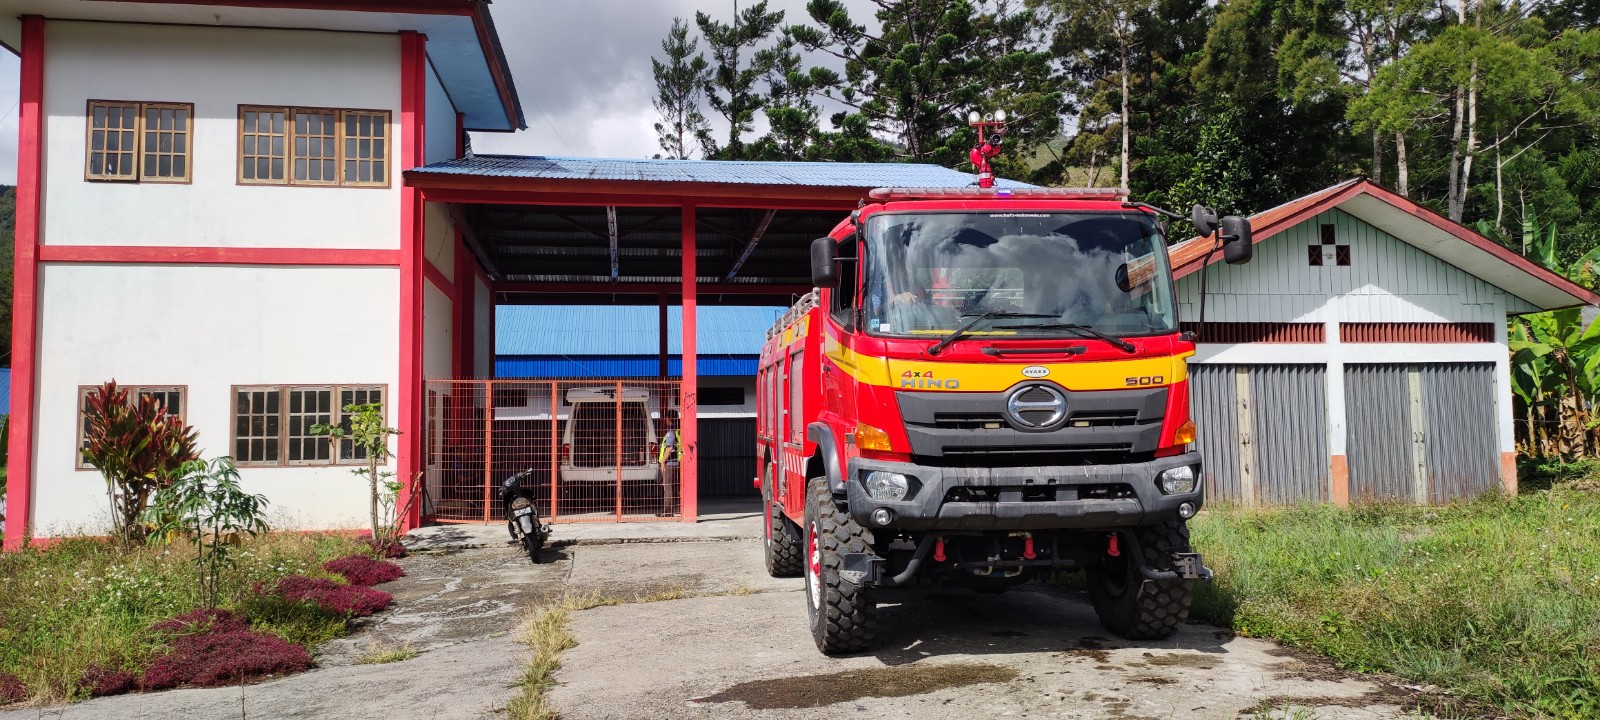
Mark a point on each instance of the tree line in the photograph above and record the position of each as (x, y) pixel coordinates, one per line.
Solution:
(1488, 111)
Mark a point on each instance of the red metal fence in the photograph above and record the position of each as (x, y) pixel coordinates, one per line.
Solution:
(591, 449)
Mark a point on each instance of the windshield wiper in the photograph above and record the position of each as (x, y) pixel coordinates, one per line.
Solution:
(1108, 337)
(973, 320)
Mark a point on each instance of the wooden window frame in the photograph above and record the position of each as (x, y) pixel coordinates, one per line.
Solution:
(134, 391)
(138, 176)
(335, 456)
(289, 135)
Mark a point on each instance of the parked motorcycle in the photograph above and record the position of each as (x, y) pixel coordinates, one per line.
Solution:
(522, 515)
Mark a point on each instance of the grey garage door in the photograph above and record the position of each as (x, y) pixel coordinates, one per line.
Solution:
(1263, 431)
(1424, 432)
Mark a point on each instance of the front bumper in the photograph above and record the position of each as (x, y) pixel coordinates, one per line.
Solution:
(929, 506)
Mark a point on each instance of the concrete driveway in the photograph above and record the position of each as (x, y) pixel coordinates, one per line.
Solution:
(737, 647)
(943, 653)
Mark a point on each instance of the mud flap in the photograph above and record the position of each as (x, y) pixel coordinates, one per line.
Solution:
(862, 569)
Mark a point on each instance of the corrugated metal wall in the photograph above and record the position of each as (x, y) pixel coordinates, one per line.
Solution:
(1421, 431)
(1289, 413)
(1379, 437)
(1281, 458)
(727, 456)
(1214, 404)
(1462, 445)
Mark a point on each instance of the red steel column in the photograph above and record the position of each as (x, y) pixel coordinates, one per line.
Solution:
(25, 308)
(688, 436)
(408, 404)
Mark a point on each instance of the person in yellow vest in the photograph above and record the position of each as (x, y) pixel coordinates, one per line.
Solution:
(670, 465)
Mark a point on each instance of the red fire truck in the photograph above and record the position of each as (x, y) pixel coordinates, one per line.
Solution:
(986, 384)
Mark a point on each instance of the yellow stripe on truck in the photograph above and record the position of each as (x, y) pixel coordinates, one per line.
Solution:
(994, 377)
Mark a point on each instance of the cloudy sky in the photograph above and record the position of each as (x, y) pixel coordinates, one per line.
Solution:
(581, 68)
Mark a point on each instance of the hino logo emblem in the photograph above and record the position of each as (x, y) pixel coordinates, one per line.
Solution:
(1037, 406)
(1035, 371)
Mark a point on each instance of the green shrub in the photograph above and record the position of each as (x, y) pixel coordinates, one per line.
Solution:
(1496, 599)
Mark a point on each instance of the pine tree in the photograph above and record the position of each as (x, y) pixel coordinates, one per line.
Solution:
(680, 87)
(731, 87)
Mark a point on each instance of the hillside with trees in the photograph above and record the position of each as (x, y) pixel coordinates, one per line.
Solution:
(1486, 111)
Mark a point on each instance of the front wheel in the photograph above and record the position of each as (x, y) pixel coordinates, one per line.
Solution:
(843, 615)
(783, 544)
(1131, 606)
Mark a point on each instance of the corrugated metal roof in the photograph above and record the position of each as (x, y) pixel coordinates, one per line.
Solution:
(5, 391)
(626, 330)
(608, 366)
(742, 172)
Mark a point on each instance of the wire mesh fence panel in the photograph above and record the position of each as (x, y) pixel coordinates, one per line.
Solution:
(592, 450)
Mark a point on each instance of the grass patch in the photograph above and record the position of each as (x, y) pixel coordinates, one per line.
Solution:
(384, 657)
(1496, 600)
(84, 604)
(548, 635)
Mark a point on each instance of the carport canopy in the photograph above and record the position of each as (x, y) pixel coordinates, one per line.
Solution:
(547, 229)
(574, 231)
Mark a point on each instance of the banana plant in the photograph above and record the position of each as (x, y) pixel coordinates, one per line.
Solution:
(1555, 357)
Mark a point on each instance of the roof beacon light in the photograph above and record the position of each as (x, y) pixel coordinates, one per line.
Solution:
(991, 132)
(973, 193)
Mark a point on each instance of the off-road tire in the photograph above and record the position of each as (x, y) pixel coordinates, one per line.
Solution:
(843, 616)
(784, 546)
(1132, 607)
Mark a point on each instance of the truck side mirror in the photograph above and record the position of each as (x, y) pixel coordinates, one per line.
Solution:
(825, 262)
(1236, 244)
(1205, 219)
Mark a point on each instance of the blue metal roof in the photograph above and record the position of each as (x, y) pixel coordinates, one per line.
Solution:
(744, 172)
(5, 391)
(544, 366)
(626, 330)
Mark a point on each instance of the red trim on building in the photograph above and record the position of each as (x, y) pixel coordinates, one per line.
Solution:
(427, 7)
(408, 394)
(437, 277)
(1256, 332)
(627, 288)
(25, 298)
(461, 310)
(689, 417)
(630, 193)
(1416, 332)
(175, 255)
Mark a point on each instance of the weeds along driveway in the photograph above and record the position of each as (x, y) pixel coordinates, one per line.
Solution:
(738, 647)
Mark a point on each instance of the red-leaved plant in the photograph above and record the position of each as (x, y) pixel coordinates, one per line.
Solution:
(11, 689)
(202, 621)
(364, 570)
(351, 600)
(223, 657)
(100, 680)
(137, 446)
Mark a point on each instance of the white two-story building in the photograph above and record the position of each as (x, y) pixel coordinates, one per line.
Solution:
(210, 208)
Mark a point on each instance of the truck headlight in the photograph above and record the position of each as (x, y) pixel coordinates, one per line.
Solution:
(887, 485)
(1175, 481)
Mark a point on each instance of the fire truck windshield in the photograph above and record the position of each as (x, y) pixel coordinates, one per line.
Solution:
(1107, 271)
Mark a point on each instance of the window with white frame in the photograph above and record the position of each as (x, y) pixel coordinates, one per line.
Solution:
(171, 397)
(313, 146)
(138, 141)
(273, 424)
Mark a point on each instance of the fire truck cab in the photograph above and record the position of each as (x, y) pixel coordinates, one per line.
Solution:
(986, 384)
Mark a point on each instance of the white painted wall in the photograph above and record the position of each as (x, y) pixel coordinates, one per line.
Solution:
(439, 240)
(217, 69)
(439, 122)
(438, 340)
(483, 330)
(746, 409)
(209, 328)
(1387, 281)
